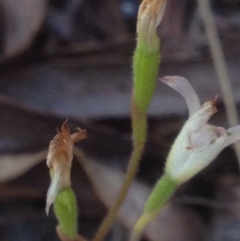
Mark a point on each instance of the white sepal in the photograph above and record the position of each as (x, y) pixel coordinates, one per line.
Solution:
(198, 143)
(53, 189)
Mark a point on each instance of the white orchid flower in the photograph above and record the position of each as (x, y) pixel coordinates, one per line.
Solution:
(198, 143)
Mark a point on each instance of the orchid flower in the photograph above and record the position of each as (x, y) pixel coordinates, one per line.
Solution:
(198, 143)
(59, 161)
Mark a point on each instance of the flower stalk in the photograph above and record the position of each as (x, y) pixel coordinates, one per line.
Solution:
(162, 192)
(147, 54)
(145, 70)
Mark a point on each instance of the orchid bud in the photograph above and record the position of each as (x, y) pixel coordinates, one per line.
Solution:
(150, 15)
(147, 54)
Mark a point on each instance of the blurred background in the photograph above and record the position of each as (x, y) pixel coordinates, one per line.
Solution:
(71, 59)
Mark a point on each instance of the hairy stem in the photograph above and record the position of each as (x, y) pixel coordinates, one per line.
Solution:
(162, 192)
(139, 137)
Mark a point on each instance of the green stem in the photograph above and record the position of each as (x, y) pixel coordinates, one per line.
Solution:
(140, 225)
(145, 70)
(160, 195)
(139, 122)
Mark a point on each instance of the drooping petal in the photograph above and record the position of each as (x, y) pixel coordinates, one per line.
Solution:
(183, 87)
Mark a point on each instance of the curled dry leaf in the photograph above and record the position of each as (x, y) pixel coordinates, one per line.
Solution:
(22, 19)
(106, 181)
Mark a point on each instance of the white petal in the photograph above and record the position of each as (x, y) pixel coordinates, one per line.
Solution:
(195, 123)
(183, 87)
(181, 149)
(198, 161)
(177, 158)
(201, 139)
(53, 190)
(201, 117)
(233, 135)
